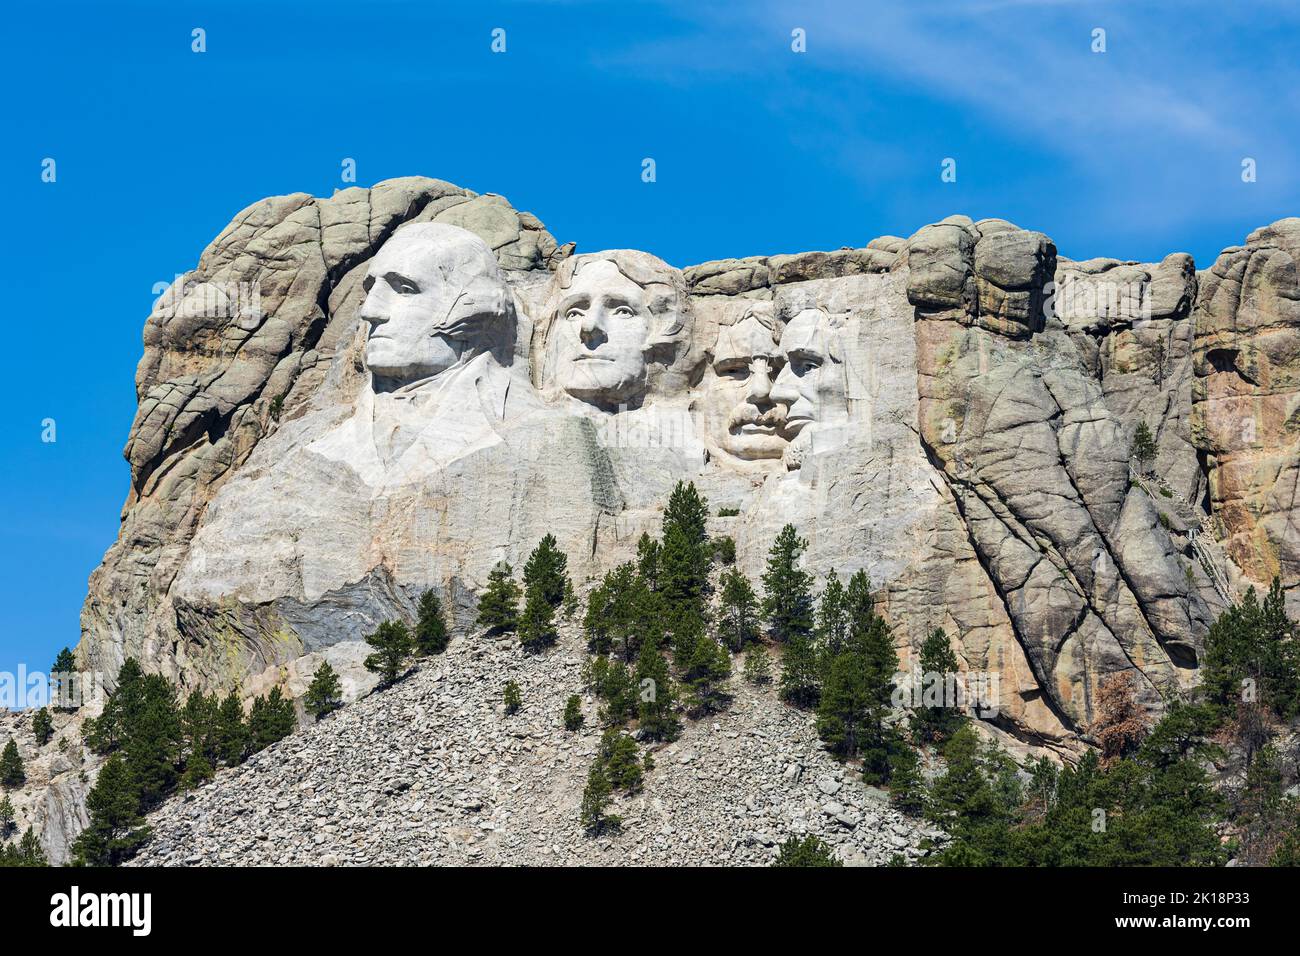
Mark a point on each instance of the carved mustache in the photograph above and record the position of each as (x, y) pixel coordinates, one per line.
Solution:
(748, 414)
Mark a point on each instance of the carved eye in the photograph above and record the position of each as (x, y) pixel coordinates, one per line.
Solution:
(624, 312)
(805, 363)
(367, 284)
(401, 285)
(573, 314)
(732, 369)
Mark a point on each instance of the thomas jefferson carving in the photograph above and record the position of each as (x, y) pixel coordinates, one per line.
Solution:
(616, 330)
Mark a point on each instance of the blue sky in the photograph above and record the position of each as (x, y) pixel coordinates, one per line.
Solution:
(1131, 153)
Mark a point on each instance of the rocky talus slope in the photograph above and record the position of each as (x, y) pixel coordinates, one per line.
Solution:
(431, 771)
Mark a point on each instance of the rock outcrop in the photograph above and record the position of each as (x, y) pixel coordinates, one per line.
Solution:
(951, 412)
(243, 341)
(60, 772)
(1246, 401)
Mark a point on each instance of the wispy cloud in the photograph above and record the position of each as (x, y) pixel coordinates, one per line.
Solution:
(1183, 92)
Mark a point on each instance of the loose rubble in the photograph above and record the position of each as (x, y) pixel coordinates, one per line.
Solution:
(431, 771)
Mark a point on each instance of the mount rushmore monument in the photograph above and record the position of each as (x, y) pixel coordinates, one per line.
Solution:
(353, 399)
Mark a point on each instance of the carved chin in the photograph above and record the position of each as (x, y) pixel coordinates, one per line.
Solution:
(753, 447)
(603, 382)
(384, 358)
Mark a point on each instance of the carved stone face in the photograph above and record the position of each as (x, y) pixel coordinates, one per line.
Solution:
(435, 297)
(604, 321)
(742, 418)
(811, 386)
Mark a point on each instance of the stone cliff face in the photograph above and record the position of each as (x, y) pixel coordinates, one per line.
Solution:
(247, 337)
(952, 413)
(1246, 401)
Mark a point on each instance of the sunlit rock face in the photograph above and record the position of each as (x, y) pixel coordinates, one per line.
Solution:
(1246, 401)
(425, 383)
(741, 420)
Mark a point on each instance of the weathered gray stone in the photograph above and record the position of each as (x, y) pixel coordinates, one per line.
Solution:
(961, 432)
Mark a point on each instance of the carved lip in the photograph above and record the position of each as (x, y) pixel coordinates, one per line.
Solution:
(755, 428)
(793, 423)
(592, 358)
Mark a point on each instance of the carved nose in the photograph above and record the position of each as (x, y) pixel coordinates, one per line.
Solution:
(592, 329)
(783, 391)
(759, 391)
(372, 311)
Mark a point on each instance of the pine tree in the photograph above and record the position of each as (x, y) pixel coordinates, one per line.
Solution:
(547, 571)
(271, 719)
(29, 850)
(1252, 653)
(647, 560)
(198, 769)
(657, 697)
(512, 698)
(152, 739)
(232, 730)
(537, 626)
(498, 608)
(619, 613)
(431, 635)
(570, 602)
(43, 726)
(620, 761)
(683, 577)
(1120, 724)
(116, 829)
(842, 709)
(800, 680)
(811, 851)
(63, 679)
(683, 564)
(758, 667)
(6, 816)
(787, 589)
(965, 799)
(104, 733)
(618, 692)
(200, 737)
(906, 785)
(832, 618)
(142, 720)
(706, 669)
(596, 621)
(688, 510)
(872, 639)
(859, 605)
(1144, 445)
(393, 645)
(935, 720)
(595, 801)
(573, 719)
(738, 615)
(325, 695)
(1264, 814)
